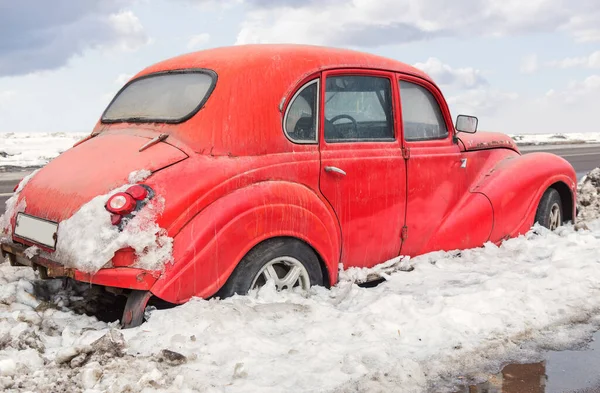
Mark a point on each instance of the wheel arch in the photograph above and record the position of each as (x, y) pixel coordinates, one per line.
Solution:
(211, 245)
(567, 200)
(516, 185)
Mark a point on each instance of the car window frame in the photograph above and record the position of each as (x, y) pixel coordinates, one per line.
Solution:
(209, 92)
(394, 105)
(442, 104)
(300, 89)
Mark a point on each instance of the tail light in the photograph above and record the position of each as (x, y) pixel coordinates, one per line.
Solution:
(122, 204)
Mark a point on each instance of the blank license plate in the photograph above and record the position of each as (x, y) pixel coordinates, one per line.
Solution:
(36, 230)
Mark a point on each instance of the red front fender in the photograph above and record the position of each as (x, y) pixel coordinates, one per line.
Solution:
(515, 187)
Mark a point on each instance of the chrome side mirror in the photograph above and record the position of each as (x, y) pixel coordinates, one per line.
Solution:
(466, 124)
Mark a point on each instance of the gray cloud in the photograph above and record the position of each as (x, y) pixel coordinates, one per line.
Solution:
(41, 35)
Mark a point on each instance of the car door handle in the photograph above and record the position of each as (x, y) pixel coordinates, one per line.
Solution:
(335, 169)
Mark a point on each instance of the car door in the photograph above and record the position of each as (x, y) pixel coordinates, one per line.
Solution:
(362, 169)
(441, 212)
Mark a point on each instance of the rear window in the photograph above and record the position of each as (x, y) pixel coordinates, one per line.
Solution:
(171, 97)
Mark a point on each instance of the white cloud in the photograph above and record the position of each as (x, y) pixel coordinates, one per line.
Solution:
(446, 75)
(577, 92)
(198, 41)
(122, 79)
(130, 34)
(591, 61)
(530, 64)
(6, 96)
(480, 101)
(370, 23)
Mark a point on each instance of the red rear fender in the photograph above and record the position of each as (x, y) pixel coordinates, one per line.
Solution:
(211, 245)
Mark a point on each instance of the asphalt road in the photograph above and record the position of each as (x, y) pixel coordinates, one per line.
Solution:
(584, 158)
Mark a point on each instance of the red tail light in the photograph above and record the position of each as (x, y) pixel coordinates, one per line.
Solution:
(138, 192)
(121, 203)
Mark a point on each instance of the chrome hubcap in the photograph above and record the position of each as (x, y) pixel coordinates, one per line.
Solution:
(555, 218)
(286, 273)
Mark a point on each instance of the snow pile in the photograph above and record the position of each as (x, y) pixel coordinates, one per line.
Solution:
(88, 240)
(34, 149)
(13, 206)
(588, 198)
(455, 314)
(557, 139)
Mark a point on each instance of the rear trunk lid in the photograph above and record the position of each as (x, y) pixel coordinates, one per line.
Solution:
(95, 167)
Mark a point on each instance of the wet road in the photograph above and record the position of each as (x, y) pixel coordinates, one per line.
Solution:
(583, 158)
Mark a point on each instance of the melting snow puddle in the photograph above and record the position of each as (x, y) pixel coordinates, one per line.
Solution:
(555, 372)
(457, 314)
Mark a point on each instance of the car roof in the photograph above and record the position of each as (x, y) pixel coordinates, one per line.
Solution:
(299, 59)
(243, 115)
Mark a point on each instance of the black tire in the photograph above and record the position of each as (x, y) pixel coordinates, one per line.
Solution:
(247, 270)
(547, 209)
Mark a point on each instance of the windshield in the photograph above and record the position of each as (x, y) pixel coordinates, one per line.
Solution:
(171, 97)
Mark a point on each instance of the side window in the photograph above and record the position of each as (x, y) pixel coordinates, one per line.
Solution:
(358, 108)
(300, 124)
(421, 115)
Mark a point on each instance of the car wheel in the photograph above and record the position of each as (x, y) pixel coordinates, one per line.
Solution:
(549, 213)
(290, 263)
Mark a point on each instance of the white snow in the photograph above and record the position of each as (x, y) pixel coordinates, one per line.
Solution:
(437, 317)
(88, 240)
(30, 149)
(566, 138)
(139, 176)
(455, 314)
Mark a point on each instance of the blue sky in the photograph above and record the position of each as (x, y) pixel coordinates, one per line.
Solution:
(521, 67)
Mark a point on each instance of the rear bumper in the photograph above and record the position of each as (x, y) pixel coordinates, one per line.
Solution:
(118, 277)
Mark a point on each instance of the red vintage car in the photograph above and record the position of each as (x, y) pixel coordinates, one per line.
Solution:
(273, 162)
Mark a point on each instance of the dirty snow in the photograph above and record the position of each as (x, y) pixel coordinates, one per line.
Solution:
(436, 318)
(30, 149)
(588, 199)
(556, 139)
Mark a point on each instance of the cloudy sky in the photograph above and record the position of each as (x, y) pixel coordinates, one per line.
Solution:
(520, 66)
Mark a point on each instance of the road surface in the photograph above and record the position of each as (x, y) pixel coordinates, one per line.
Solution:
(584, 158)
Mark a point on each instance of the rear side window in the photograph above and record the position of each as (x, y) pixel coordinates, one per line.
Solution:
(300, 123)
(421, 115)
(170, 97)
(358, 108)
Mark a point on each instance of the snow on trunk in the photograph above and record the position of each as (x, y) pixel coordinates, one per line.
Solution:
(88, 240)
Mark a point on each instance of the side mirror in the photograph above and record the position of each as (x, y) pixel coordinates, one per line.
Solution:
(466, 124)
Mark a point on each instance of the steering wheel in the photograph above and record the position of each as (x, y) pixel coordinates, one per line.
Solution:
(345, 116)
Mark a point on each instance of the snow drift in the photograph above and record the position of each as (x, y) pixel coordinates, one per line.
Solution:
(455, 314)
